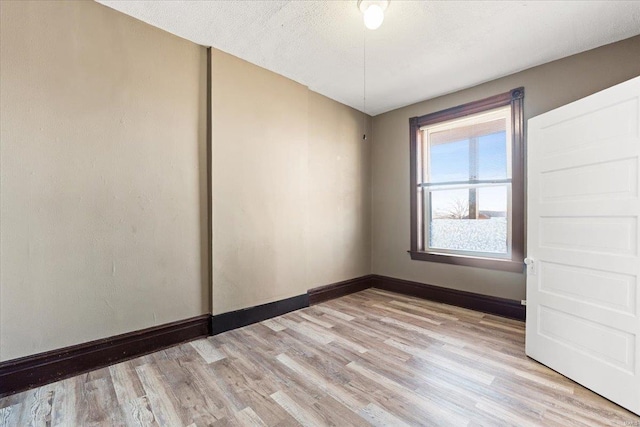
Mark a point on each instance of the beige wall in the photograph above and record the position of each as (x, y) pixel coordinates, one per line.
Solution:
(103, 180)
(291, 202)
(546, 87)
(103, 173)
(103, 212)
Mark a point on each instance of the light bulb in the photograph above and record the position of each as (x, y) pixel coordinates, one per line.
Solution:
(373, 17)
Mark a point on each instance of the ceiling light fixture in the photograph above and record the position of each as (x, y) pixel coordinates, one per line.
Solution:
(373, 11)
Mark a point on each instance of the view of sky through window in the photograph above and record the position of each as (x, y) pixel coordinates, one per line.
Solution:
(450, 162)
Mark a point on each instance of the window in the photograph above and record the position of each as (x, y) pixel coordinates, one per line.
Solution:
(467, 184)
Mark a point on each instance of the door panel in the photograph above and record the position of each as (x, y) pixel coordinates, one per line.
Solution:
(582, 229)
(601, 289)
(605, 180)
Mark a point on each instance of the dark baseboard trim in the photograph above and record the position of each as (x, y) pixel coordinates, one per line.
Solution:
(237, 319)
(336, 290)
(39, 369)
(499, 306)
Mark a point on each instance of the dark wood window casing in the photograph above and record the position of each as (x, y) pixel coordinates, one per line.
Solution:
(515, 98)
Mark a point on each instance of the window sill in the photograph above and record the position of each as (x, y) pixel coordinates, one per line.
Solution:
(488, 263)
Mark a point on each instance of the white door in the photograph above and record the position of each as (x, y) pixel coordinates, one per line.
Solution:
(583, 214)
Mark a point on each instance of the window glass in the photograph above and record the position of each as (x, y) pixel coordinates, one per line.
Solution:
(449, 161)
(467, 184)
(492, 156)
(451, 228)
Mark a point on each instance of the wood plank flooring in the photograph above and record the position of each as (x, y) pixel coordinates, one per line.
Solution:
(371, 358)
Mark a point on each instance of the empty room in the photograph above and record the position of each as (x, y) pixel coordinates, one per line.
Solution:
(319, 213)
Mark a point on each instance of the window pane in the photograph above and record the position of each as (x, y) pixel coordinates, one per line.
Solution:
(449, 161)
(492, 156)
(450, 204)
(468, 151)
(452, 228)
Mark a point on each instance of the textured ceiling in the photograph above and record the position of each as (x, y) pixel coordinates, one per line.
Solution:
(422, 50)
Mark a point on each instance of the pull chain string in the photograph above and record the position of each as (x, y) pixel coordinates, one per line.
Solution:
(364, 83)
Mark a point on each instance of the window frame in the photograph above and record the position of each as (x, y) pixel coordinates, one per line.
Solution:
(515, 99)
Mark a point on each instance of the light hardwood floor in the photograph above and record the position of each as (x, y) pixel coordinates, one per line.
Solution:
(371, 358)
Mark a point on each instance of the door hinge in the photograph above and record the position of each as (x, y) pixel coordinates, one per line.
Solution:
(531, 266)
